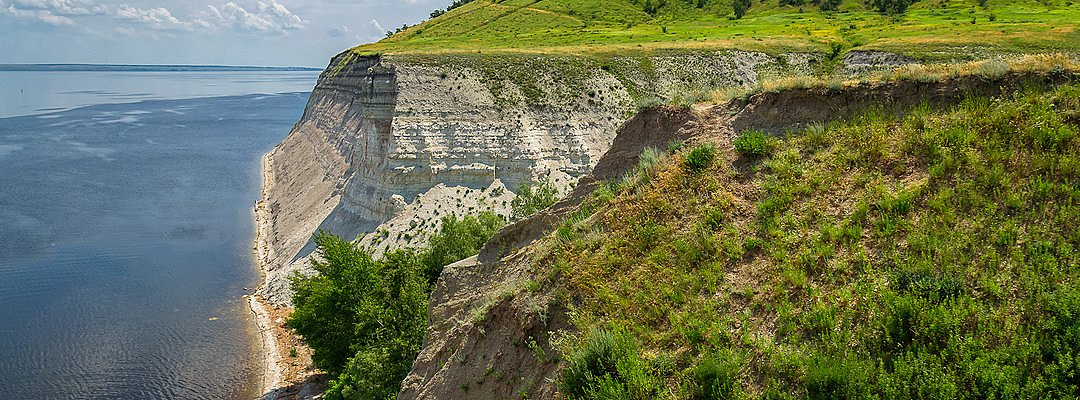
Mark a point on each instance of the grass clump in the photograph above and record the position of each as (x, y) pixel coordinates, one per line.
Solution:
(701, 157)
(365, 317)
(753, 143)
(932, 255)
(609, 365)
(717, 376)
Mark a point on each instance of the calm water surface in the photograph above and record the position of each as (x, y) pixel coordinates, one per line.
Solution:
(125, 236)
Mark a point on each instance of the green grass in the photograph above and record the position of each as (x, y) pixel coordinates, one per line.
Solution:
(931, 29)
(932, 256)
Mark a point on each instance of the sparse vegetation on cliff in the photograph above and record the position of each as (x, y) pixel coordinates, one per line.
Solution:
(365, 318)
(532, 198)
(929, 256)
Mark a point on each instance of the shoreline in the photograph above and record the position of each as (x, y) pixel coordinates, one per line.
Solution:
(284, 361)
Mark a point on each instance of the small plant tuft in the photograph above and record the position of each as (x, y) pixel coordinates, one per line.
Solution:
(701, 157)
(753, 143)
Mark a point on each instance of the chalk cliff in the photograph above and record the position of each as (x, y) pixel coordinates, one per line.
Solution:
(388, 144)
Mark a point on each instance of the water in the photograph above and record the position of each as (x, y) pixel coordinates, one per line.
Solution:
(35, 92)
(125, 238)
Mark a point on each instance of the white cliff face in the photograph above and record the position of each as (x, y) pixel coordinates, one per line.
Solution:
(388, 145)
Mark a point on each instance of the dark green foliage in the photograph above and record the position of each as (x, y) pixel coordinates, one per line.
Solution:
(653, 6)
(716, 377)
(829, 5)
(365, 318)
(701, 157)
(457, 3)
(741, 7)
(753, 143)
(609, 366)
(892, 7)
(837, 378)
(531, 199)
(458, 239)
(835, 48)
(362, 309)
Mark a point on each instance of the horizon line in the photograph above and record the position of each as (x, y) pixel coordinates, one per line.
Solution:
(105, 66)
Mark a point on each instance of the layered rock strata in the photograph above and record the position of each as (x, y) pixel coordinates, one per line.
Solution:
(389, 145)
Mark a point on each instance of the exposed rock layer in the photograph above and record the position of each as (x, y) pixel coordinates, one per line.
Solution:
(380, 132)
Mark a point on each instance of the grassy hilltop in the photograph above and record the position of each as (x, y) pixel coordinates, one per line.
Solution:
(928, 29)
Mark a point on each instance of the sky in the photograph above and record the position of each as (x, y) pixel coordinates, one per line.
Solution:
(220, 32)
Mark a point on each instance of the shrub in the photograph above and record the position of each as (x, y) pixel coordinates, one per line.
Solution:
(832, 378)
(458, 239)
(753, 143)
(608, 365)
(358, 310)
(717, 376)
(740, 7)
(701, 157)
(365, 318)
(830, 5)
(531, 199)
(892, 7)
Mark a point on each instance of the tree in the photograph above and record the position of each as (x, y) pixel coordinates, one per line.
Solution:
(365, 318)
(358, 310)
(892, 7)
(457, 240)
(741, 7)
(531, 199)
(829, 5)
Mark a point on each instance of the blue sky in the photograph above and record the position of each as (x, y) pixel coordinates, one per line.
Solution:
(236, 32)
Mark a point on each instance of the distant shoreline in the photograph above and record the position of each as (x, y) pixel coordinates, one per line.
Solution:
(146, 68)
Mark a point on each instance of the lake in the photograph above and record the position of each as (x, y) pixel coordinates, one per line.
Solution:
(126, 229)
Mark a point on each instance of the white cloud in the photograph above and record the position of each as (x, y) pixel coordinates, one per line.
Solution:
(266, 17)
(338, 31)
(263, 16)
(43, 16)
(377, 25)
(157, 17)
(60, 7)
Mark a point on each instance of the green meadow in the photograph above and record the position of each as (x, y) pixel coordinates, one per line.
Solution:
(929, 29)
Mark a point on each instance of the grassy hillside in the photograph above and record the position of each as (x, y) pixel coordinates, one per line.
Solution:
(932, 256)
(929, 29)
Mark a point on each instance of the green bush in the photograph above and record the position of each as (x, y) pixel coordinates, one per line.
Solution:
(531, 199)
(741, 7)
(716, 377)
(458, 239)
(753, 143)
(892, 7)
(837, 378)
(701, 157)
(608, 365)
(365, 318)
(362, 309)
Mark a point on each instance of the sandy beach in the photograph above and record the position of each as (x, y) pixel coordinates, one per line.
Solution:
(284, 360)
